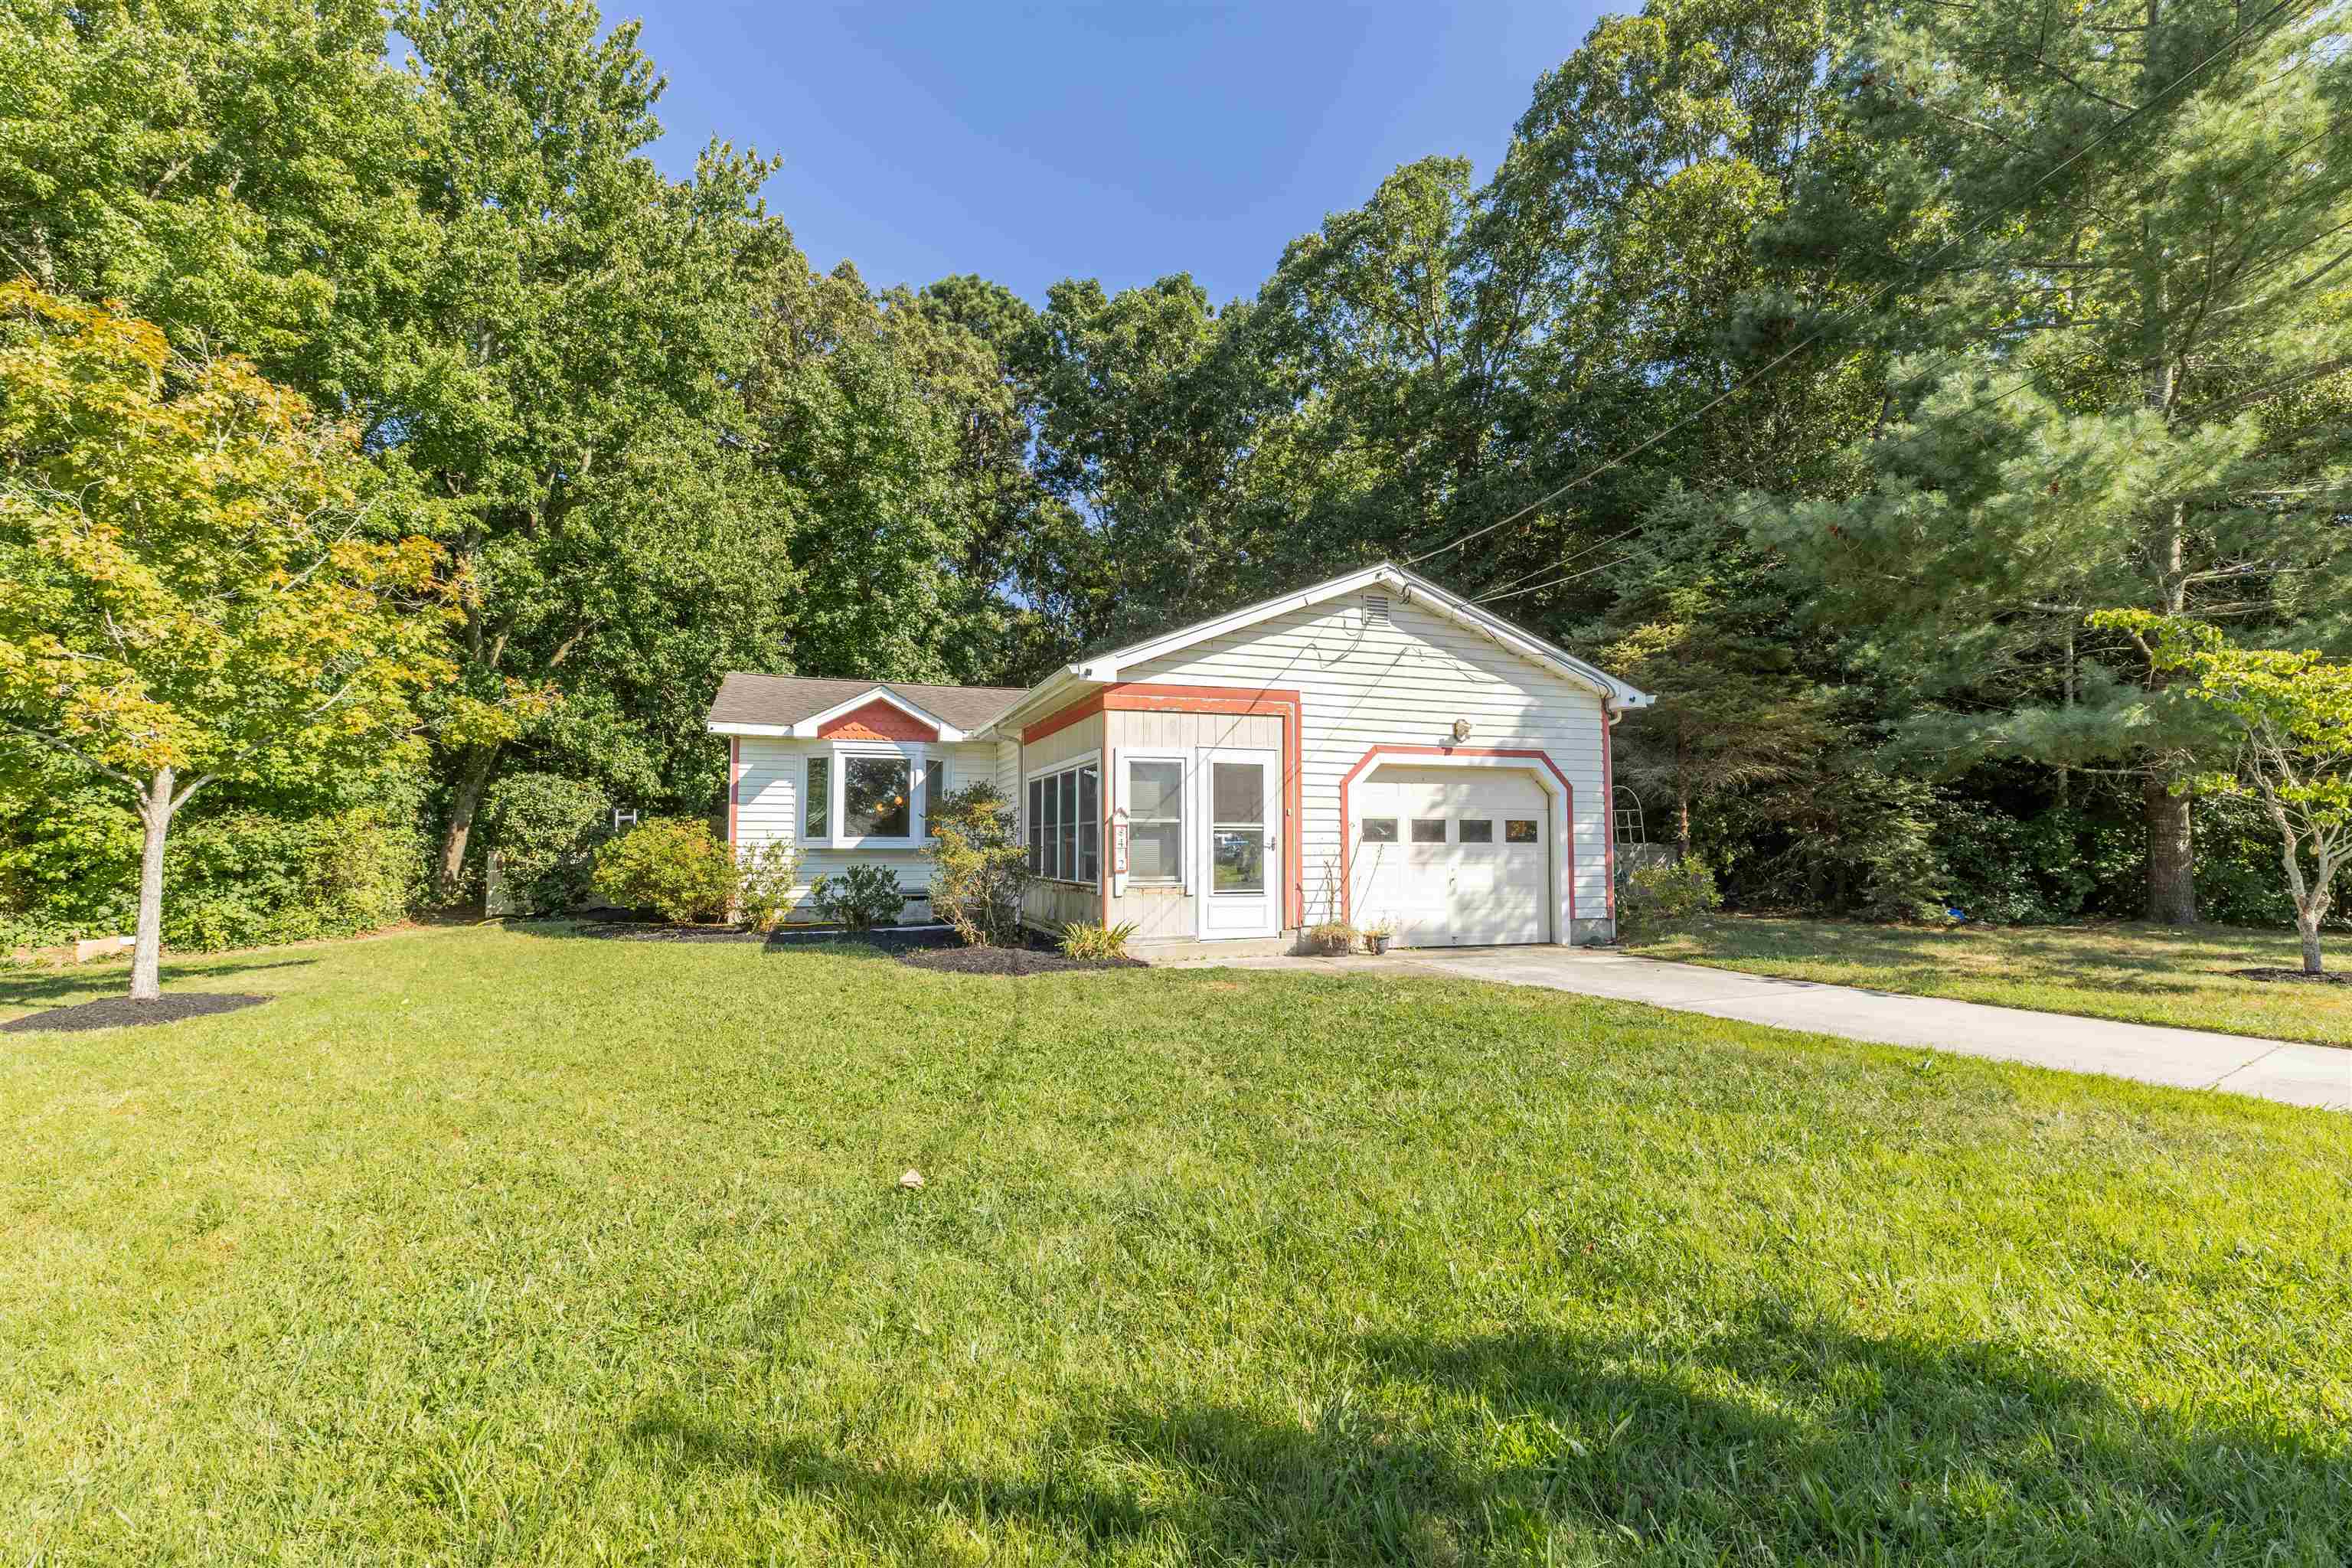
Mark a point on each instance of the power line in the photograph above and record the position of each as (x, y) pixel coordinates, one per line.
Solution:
(1511, 590)
(1785, 356)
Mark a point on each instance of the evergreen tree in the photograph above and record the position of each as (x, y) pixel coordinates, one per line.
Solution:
(2112, 235)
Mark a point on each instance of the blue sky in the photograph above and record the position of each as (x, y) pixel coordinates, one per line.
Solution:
(1120, 141)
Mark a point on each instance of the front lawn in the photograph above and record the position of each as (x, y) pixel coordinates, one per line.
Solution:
(511, 1246)
(2140, 973)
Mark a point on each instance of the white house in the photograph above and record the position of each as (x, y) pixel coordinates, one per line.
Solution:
(1373, 749)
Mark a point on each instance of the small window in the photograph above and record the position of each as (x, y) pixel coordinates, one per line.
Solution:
(935, 789)
(1429, 830)
(1518, 831)
(1155, 821)
(1376, 609)
(1475, 829)
(1379, 830)
(1067, 867)
(874, 797)
(1050, 864)
(816, 800)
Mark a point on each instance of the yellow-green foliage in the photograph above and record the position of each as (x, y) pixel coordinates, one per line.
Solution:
(1092, 940)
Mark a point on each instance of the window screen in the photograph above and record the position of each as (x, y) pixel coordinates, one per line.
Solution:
(1036, 827)
(1089, 824)
(1155, 822)
(1429, 830)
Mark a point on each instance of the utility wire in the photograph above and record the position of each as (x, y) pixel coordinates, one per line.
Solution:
(1815, 336)
(1511, 590)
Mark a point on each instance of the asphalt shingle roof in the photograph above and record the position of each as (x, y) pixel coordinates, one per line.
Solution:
(746, 698)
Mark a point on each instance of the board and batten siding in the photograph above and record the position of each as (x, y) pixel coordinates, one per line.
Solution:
(768, 807)
(1405, 683)
(1169, 914)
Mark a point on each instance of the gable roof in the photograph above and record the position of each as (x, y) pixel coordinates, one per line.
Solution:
(774, 704)
(794, 705)
(1108, 665)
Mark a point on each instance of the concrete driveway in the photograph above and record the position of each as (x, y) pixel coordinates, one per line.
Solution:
(2185, 1058)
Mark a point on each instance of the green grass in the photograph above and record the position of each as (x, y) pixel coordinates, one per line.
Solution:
(479, 1246)
(2140, 973)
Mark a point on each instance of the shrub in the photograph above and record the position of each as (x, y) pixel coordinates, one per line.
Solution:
(765, 876)
(979, 869)
(1667, 895)
(1092, 940)
(674, 866)
(860, 898)
(545, 829)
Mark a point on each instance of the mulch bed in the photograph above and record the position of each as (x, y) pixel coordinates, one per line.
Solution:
(120, 1012)
(1009, 961)
(656, 930)
(2292, 975)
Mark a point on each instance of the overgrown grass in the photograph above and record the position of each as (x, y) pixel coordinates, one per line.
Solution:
(480, 1246)
(2141, 973)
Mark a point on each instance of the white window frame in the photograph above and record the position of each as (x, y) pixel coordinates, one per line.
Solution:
(1070, 764)
(1187, 778)
(920, 757)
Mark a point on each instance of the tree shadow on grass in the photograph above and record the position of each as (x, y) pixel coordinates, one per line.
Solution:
(27, 988)
(1771, 1441)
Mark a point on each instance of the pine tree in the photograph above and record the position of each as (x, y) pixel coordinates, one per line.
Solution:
(2115, 240)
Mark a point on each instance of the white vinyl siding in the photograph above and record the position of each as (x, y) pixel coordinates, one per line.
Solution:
(768, 806)
(1404, 683)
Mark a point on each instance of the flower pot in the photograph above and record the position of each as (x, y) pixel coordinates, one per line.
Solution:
(1379, 944)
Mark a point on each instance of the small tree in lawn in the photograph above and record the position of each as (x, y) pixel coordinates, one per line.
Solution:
(2292, 716)
(190, 586)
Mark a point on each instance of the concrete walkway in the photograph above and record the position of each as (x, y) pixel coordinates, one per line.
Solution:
(2186, 1059)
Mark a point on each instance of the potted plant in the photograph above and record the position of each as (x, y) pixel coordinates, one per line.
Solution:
(1331, 938)
(1378, 937)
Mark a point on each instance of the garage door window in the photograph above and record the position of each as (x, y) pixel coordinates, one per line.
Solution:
(1379, 830)
(1518, 831)
(1477, 829)
(1429, 830)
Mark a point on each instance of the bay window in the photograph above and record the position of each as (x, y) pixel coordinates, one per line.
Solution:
(864, 793)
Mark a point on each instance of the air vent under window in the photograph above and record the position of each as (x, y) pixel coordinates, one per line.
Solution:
(1376, 609)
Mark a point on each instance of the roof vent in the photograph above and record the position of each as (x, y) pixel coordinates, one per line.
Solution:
(1376, 609)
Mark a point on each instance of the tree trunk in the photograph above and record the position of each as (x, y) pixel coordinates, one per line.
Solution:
(1681, 804)
(465, 801)
(2306, 925)
(147, 953)
(2171, 867)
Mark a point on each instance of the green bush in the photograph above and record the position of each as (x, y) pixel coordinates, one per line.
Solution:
(1665, 896)
(764, 880)
(239, 869)
(545, 829)
(979, 869)
(1092, 940)
(861, 898)
(674, 866)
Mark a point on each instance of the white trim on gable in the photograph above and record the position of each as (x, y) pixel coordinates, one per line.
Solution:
(807, 729)
(1413, 588)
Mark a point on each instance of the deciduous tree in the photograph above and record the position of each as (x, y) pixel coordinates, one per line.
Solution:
(197, 579)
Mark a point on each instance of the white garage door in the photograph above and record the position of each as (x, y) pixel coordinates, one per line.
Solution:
(1452, 856)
